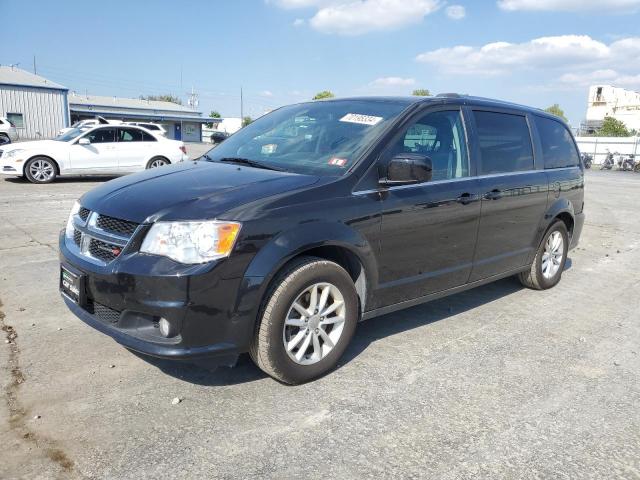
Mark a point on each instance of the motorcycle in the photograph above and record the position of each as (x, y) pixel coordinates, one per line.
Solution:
(608, 163)
(629, 163)
(587, 160)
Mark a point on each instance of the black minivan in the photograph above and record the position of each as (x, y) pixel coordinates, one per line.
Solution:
(319, 215)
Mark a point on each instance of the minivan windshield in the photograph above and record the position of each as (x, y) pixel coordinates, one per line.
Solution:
(320, 138)
(70, 135)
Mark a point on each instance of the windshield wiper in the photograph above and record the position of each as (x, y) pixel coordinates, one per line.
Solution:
(250, 163)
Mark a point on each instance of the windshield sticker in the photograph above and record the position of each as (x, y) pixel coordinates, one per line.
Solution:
(361, 119)
(338, 162)
(269, 148)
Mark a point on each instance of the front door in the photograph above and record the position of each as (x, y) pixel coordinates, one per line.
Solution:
(177, 131)
(99, 156)
(429, 229)
(514, 194)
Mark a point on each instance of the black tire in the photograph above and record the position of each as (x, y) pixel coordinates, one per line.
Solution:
(4, 139)
(156, 162)
(268, 349)
(534, 276)
(47, 168)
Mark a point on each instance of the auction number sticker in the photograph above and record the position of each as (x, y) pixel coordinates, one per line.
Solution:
(361, 119)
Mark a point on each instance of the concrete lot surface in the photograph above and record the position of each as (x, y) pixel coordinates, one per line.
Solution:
(497, 382)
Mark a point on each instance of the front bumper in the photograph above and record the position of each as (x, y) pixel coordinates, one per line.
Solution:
(126, 298)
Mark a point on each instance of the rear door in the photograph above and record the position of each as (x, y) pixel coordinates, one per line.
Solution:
(513, 189)
(429, 229)
(134, 148)
(99, 156)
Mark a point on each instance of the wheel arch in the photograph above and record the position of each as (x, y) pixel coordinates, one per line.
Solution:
(48, 157)
(560, 209)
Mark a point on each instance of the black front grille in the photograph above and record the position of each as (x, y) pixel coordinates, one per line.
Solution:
(77, 237)
(83, 213)
(103, 250)
(110, 224)
(102, 312)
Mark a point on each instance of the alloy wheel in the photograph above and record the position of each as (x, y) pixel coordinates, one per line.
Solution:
(552, 256)
(314, 323)
(158, 163)
(41, 170)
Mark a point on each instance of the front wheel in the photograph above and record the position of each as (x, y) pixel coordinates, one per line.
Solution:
(548, 264)
(307, 322)
(156, 162)
(40, 170)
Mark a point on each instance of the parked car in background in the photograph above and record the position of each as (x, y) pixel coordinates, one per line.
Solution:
(88, 123)
(101, 150)
(218, 137)
(319, 215)
(8, 132)
(152, 127)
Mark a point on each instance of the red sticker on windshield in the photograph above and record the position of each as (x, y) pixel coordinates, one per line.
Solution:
(338, 162)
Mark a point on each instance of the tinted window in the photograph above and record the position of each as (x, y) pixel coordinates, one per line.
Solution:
(102, 135)
(440, 136)
(558, 149)
(505, 143)
(133, 135)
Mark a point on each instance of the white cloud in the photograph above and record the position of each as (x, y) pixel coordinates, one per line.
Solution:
(456, 12)
(606, 77)
(392, 82)
(298, 22)
(566, 52)
(355, 17)
(266, 93)
(603, 6)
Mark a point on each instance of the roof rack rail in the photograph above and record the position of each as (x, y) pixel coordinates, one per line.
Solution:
(450, 95)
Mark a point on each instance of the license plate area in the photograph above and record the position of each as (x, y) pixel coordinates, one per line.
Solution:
(72, 285)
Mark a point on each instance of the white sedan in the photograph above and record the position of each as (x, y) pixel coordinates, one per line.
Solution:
(101, 150)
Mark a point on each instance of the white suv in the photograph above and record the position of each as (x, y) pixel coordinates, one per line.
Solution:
(8, 132)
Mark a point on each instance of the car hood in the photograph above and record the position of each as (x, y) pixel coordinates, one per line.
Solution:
(189, 191)
(36, 144)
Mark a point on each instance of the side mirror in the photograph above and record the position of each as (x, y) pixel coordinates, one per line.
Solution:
(406, 168)
(84, 141)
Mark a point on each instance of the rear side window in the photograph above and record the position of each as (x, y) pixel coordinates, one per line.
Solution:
(558, 149)
(505, 142)
(134, 135)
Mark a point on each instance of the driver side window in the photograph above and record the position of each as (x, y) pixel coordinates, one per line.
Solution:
(102, 135)
(439, 136)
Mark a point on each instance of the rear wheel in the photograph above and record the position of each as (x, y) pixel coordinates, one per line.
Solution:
(548, 264)
(156, 162)
(308, 320)
(40, 170)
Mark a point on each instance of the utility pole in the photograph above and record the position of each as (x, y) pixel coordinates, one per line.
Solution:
(241, 108)
(35, 70)
(193, 99)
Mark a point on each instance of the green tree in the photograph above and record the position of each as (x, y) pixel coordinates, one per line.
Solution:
(167, 97)
(246, 121)
(213, 114)
(557, 111)
(324, 94)
(613, 128)
(421, 92)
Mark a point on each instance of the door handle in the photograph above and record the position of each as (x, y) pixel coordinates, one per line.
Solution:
(494, 194)
(466, 198)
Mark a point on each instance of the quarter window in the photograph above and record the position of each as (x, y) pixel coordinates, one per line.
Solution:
(505, 142)
(558, 149)
(134, 135)
(102, 135)
(439, 136)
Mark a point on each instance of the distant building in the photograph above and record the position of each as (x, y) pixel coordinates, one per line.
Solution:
(608, 101)
(36, 106)
(180, 122)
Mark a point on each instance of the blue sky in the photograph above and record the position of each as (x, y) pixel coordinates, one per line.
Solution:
(536, 52)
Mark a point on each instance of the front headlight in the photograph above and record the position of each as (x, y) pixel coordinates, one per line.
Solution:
(191, 242)
(13, 153)
(74, 211)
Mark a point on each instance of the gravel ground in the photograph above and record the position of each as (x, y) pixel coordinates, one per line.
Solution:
(497, 382)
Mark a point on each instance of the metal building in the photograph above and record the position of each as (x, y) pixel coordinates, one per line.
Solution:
(180, 122)
(36, 106)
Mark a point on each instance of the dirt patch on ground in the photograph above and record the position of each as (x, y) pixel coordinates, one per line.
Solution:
(17, 412)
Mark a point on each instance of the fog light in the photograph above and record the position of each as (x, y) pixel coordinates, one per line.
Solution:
(166, 328)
